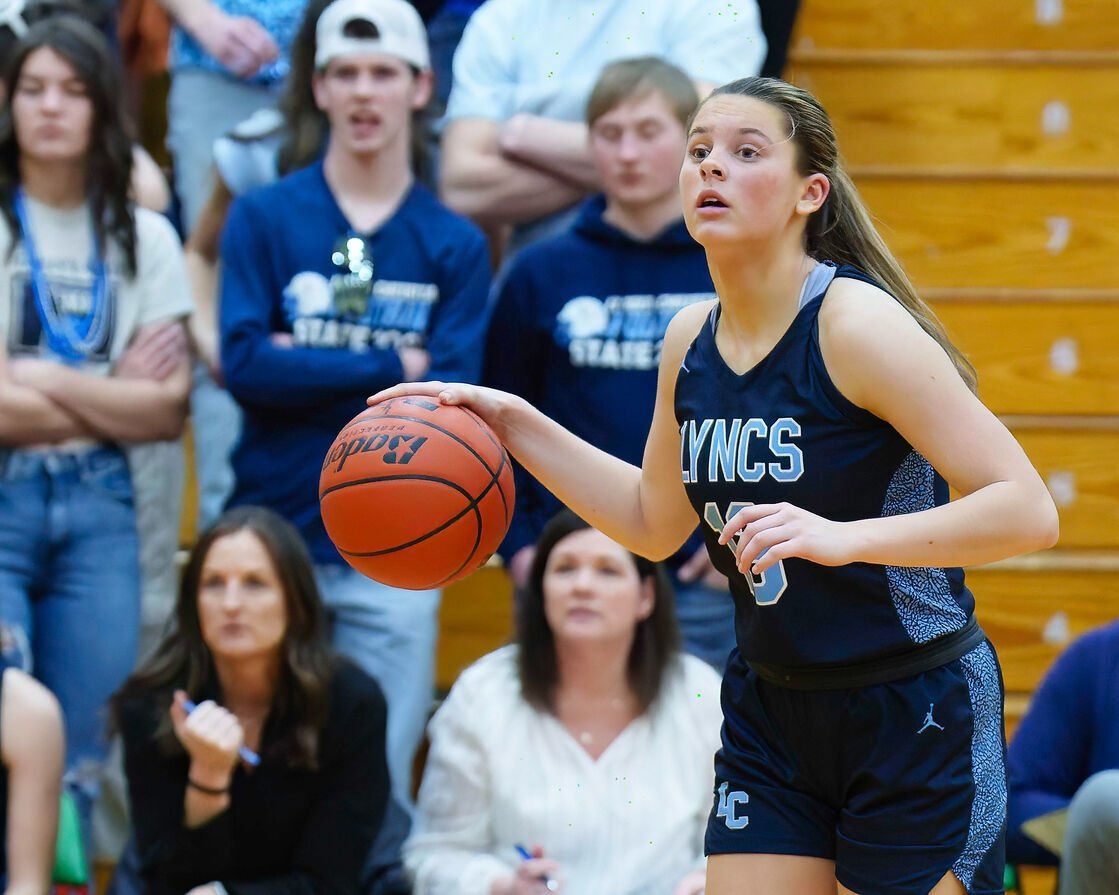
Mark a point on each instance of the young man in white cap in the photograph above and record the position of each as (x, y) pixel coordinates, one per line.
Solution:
(338, 280)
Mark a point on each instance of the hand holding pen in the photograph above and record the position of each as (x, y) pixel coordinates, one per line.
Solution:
(535, 873)
(211, 735)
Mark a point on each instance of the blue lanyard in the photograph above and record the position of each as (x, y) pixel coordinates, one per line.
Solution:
(71, 337)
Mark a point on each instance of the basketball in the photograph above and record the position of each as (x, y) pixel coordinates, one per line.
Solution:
(416, 494)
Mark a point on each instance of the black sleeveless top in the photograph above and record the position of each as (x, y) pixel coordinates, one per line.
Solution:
(782, 431)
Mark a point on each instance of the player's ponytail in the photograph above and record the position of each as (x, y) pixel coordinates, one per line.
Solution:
(842, 230)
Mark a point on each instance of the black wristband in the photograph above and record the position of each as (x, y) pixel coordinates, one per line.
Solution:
(209, 790)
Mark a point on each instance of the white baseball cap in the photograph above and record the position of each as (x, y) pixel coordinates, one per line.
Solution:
(399, 31)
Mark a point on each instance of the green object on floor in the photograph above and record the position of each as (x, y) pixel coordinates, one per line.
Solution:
(69, 852)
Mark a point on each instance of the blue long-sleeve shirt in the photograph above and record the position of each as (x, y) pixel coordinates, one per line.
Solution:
(292, 264)
(576, 330)
(1070, 732)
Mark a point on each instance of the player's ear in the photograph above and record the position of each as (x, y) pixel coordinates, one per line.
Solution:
(814, 190)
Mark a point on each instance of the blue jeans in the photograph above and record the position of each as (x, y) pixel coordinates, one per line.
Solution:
(706, 617)
(70, 589)
(391, 634)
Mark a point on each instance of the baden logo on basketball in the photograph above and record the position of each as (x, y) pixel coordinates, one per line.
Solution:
(398, 449)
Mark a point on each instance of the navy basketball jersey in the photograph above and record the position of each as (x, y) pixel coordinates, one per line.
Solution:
(783, 432)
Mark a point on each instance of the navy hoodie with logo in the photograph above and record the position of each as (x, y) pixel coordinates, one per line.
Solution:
(312, 314)
(577, 328)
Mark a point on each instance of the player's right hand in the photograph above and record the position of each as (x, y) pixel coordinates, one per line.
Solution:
(492, 405)
(211, 736)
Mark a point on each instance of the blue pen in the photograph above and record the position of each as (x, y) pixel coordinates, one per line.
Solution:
(245, 752)
(550, 884)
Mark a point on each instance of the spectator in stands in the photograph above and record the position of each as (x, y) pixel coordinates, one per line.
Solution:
(229, 58)
(149, 187)
(32, 748)
(249, 649)
(1065, 754)
(338, 279)
(579, 317)
(590, 740)
(92, 290)
(515, 145)
(269, 143)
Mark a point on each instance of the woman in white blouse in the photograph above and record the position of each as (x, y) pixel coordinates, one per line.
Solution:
(589, 742)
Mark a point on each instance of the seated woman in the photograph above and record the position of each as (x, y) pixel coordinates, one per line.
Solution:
(590, 741)
(31, 755)
(249, 651)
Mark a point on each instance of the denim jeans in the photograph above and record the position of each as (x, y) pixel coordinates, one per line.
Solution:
(391, 634)
(70, 589)
(706, 617)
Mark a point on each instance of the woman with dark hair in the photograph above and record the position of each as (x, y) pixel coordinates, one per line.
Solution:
(90, 289)
(814, 419)
(590, 739)
(255, 759)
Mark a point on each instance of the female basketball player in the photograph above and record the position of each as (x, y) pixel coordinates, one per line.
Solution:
(816, 415)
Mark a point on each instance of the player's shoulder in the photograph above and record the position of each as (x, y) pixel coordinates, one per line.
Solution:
(858, 316)
(685, 325)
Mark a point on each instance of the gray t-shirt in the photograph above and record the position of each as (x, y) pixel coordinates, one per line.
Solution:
(159, 291)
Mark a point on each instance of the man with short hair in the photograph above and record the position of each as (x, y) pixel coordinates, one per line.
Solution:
(339, 280)
(579, 318)
(515, 146)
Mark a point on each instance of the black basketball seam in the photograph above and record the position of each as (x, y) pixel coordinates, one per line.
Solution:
(493, 474)
(472, 505)
(488, 434)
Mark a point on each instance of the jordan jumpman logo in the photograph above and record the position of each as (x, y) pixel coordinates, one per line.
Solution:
(929, 722)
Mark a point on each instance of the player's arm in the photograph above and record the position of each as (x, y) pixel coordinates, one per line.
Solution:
(477, 179)
(643, 509)
(881, 360)
(32, 746)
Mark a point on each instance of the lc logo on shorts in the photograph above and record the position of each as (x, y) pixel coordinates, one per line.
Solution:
(728, 807)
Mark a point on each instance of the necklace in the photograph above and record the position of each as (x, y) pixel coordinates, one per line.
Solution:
(70, 336)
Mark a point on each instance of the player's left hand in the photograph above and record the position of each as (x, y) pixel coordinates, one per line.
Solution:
(770, 532)
(207, 889)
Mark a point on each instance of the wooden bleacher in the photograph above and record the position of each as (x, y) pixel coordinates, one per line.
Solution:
(974, 132)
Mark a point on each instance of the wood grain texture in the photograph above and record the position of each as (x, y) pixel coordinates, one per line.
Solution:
(1081, 470)
(1057, 235)
(1031, 616)
(1008, 117)
(1039, 358)
(918, 24)
(475, 618)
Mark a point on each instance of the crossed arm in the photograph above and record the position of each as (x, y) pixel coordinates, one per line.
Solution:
(45, 402)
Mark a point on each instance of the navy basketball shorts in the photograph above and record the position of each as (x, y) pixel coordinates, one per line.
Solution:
(898, 783)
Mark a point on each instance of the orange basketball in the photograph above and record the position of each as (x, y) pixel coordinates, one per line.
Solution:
(415, 493)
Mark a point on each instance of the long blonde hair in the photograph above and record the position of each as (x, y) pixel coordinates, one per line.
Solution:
(842, 230)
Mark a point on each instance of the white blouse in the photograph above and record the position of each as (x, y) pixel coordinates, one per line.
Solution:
(500, 772)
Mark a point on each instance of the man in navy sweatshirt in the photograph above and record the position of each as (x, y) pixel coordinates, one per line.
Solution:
(579, 318)
(1065, 754)
(339, 280)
